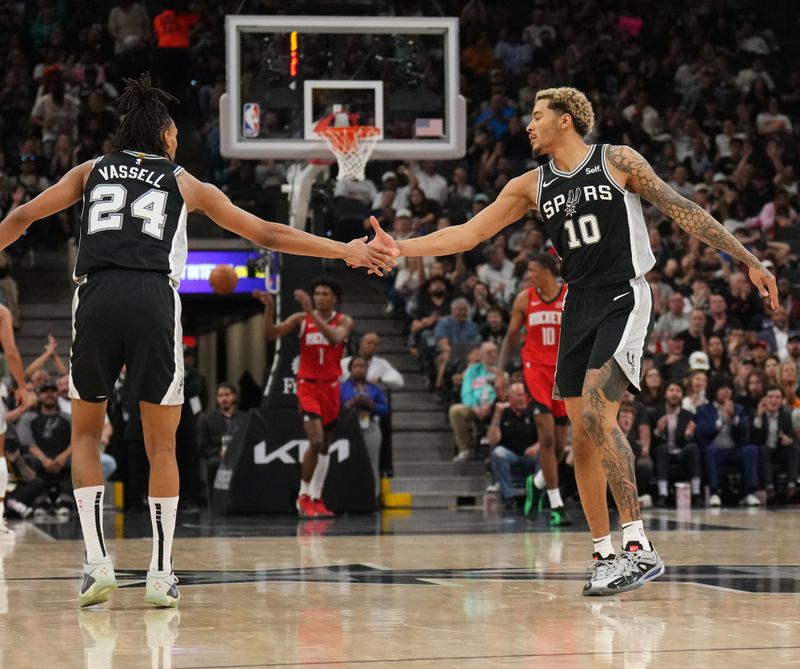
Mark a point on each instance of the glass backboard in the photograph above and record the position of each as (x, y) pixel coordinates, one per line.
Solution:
(288, 73)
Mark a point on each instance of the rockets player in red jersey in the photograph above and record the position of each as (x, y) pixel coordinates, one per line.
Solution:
(323, 334)
(539, 309)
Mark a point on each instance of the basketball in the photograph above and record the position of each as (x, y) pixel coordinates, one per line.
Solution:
(223, 279)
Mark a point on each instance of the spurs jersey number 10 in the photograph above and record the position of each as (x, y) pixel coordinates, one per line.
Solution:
(133, 217)
(597, 228)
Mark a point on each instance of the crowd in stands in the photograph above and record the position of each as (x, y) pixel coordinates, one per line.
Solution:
(711, 99)
(708, 92)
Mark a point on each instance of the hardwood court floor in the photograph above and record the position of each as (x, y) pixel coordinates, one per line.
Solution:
(437, 590)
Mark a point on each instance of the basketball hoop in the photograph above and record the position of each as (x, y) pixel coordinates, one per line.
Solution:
(352, 145)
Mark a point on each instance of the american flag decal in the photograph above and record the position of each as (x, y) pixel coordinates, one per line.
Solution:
(428, 127)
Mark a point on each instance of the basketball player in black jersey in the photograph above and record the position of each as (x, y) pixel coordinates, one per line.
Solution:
(126, 310)
(588, 197)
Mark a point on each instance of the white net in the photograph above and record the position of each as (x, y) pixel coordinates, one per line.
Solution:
(352, 146)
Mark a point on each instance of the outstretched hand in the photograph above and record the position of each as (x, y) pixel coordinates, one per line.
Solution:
(383, 240)
(265, 298)
(375, 258)
(765, 282)
(304, 299)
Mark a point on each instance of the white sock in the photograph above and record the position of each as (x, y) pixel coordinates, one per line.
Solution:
(89, 501)
(603, 546)
(663, 487)
(305, 488)
(695, 485)
(634, 531)
(538, 480)
(318, 479)
(3, 478)
(554, 496)
(162, 514)
(3, 487)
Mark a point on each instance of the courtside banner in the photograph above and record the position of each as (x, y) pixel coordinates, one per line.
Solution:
(261, 471)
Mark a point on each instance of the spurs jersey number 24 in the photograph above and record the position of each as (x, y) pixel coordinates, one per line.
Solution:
(133, 217)
(597, 228)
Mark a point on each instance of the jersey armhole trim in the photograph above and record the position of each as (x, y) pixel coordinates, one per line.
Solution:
(539, 188)
(607, 172)
(177, 170)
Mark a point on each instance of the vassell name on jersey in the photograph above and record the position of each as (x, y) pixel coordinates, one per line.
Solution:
(131, 172)
(133, 217)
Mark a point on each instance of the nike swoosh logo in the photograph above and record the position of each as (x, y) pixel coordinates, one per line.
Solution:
(619, 297)
(547, 183)
(535, 304)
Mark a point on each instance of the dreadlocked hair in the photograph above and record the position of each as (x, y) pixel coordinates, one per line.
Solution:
(145, 116)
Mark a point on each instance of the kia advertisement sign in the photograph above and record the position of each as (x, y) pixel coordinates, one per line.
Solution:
(261, 470)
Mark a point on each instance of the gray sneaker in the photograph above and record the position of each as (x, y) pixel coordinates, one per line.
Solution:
(648, 564)
(631, 569)
(600, 570)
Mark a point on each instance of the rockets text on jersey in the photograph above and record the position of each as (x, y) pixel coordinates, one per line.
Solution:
(543, 327)
(319, 359)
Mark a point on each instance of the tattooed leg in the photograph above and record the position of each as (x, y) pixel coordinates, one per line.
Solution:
(602, 393)
(589, 474)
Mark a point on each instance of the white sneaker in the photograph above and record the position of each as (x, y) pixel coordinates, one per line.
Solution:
(751, 500)
(493, 487)
(162, 588)
(22, 509)
(714, 500)
(646, 501)
(464, 455)
(98, 583)
(6, 533)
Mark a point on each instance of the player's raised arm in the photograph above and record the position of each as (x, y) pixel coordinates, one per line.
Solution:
(636, 174)
(515, 324)
(212, 202)
(514, 200)
(273, 330)
(62, 194)
(11, 353)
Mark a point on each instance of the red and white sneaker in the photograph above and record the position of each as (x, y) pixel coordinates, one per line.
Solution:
(305, 507)
(322, 510)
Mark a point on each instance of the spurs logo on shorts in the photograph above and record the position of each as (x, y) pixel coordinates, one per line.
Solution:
(632, 363)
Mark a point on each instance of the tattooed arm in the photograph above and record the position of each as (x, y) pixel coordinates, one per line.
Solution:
(634, 173)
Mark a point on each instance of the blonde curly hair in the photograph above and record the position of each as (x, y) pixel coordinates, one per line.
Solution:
(573, 102)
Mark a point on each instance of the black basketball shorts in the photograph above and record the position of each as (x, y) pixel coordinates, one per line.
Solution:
(132, 318)
(598, 325)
